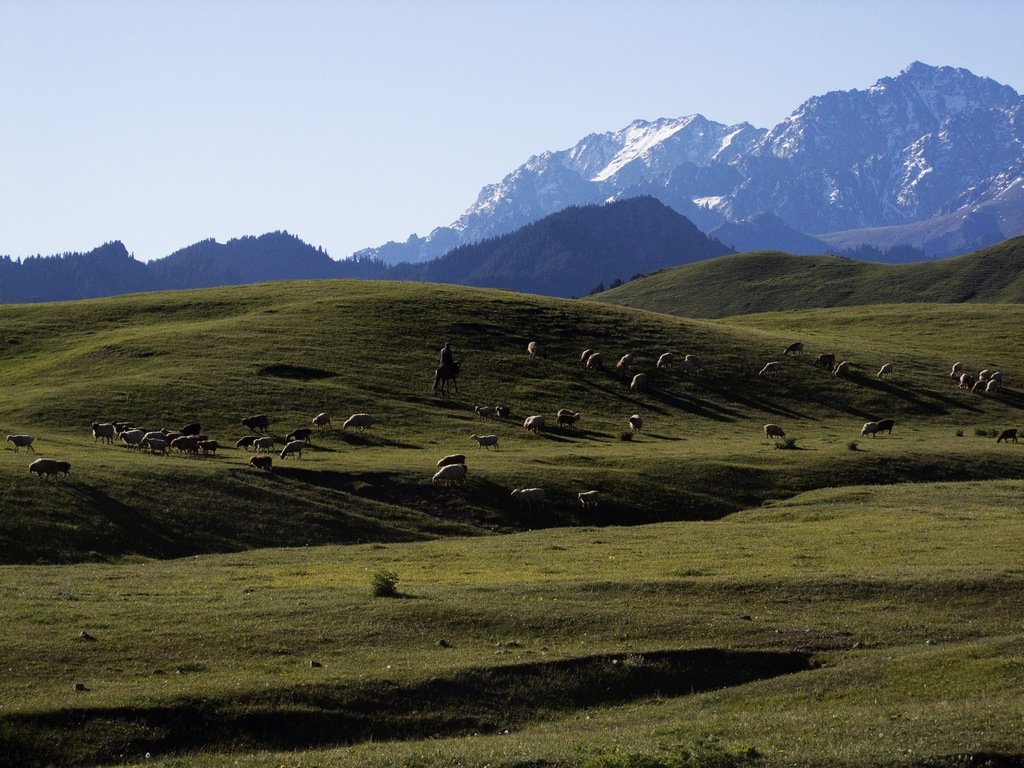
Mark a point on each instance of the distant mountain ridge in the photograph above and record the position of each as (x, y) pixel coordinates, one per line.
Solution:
(919, 147)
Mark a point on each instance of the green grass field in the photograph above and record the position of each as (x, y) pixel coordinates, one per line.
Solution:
(852, 601)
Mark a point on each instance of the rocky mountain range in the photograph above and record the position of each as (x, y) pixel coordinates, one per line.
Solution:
(932, 158)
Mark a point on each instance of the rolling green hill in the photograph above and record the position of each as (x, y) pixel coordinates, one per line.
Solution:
(770, 281)
(847, 600)
(291, 350)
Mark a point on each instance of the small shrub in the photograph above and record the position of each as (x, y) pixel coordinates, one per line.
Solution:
(626, 436)
(385, 584)
(853, 445)
(786, 444)
(982, 432)
(959, 433)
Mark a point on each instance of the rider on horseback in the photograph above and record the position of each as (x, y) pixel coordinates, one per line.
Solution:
(446, 360)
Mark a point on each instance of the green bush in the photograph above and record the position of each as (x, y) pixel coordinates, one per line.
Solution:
(385, 584)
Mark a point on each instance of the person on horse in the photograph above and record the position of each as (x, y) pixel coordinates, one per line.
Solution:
(446, 361)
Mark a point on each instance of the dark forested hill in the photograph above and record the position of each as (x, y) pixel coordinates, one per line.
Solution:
(571, 252)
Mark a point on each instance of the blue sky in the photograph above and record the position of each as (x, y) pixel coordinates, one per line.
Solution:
(350, 124)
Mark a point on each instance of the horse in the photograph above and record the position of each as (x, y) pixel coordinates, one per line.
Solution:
(445, 376)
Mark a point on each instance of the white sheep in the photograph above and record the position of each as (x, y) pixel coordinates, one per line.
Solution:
(485, 441)
(190, 443)
(534, 424)
(695, 361)
(154, 444)
(773, 367)
(293, 446)
(665, 360)
(992, 386)
(132, 438)
(46, 467)
(588, 498)
(586, 355)
(966, 381)
(595, 361)
(843, 369)
(451, 458)
(260, 444)
(689, 367)
(869, 428)
(885, 371)
(624, 362)
(958, 368)
(636, 423)
(534, 350)
(528, 497)
(450, 474)
(361, 420)
(322, 421)
(773, 430)
(639, 383)
(21, 441)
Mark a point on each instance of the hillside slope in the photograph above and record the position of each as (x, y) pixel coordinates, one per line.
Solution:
(773, 281)
(291, 350)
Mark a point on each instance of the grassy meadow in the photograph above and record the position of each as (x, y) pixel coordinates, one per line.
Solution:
(848, 601)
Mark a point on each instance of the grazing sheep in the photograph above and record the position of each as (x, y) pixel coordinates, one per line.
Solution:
(528, 497)
(588, 498)
(302, 433)
(1007, 435)
(46, 467)
(246, 441)
(958, 368)
(843, 369)
(261, 444)
(966, 381)
(869, 428)
(21, 441)
(595, 361)
(132, 438)
(624, 362)
(695, 361)
(586, 355)
(262, 462)
(155, 445)
(689, 368)
(773, 367)
(884, 425)
(361, 420)
(796, 348)
(665, 360)
(639, 383)
(503, 411)
(996, 376)
(186, 444)
(103, 432)
(885, 371)
(534, 424)
(451, 458)
(485, 441)
(636, 423)
(992, 386)
(826, 360)
(208, 447)
(293, 446)
(534, 350)
(450, 474)
(979, 385)
(191, 429)
(258, 423)
(567, 418)
(322, 421)
(773, 430)
(984, 374)
(483, 411)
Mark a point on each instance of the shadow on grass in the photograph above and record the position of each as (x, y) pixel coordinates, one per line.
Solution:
(314, 716)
